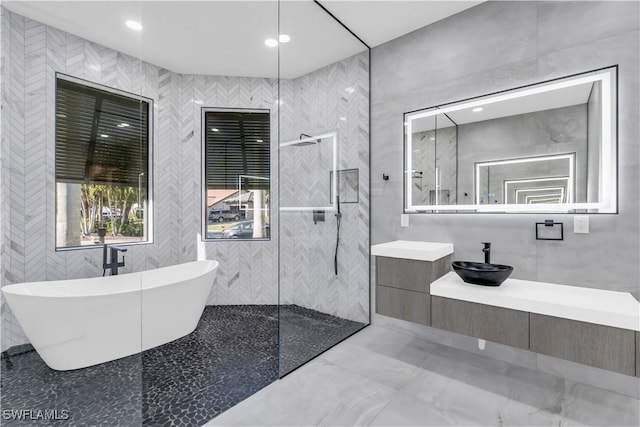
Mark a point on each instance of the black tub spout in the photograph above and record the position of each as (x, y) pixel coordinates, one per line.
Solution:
(113, 264)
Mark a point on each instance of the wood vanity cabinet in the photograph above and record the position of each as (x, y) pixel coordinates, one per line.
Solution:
(410, 274)
(402, 287)
(601, 346)
(496, 324)
(403, 291)
(402, 304)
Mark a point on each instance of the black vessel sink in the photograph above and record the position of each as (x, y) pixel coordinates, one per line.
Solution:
(480, 273)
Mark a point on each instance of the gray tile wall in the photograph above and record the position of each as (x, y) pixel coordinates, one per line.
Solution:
(33, 52)
(496, 46)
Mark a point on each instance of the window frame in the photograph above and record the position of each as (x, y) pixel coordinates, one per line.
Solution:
(204, 214)
(149, 216)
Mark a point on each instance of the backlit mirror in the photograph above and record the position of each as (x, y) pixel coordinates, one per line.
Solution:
(547, 147)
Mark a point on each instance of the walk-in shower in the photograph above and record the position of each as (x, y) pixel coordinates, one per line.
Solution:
(208, 176)
(321, 160)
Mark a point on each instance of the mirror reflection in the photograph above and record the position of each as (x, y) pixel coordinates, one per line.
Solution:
(543, 179)
(546, 147)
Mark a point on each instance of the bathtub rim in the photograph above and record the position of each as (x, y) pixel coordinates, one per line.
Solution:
(19, 289)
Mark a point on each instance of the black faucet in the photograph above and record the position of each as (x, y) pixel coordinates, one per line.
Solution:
(113, 263)
(487, 252)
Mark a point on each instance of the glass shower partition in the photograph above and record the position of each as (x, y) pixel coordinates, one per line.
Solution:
(323, 184)
(216, 139)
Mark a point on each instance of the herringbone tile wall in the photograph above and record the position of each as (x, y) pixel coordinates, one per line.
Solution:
(332, 99)
(248, 270)
(31, 55)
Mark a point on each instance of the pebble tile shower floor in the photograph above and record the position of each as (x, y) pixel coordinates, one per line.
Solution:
(232, 354)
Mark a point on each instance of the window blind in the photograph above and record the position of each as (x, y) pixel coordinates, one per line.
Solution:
(237, 143)
(102, 137)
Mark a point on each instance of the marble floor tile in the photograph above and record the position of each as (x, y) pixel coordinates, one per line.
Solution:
(397, 345)
(381, 377)
(319, 393)
(448, 401)
(407, 410)
(373, 366)
(515, 395)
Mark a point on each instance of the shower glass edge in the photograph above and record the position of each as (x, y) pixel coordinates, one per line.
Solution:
(322, 185)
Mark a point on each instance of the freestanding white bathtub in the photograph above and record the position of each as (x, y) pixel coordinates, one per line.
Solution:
(73, 324)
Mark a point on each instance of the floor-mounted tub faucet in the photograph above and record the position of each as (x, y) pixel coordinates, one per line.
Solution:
(113, 263)
(487, 252)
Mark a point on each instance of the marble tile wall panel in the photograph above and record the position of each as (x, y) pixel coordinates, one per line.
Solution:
(3, 163)
(13, 164)
(496, 46)
(248, 270)
(318, 103)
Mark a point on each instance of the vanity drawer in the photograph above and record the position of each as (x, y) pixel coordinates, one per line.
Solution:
(403, 304)
(410, 274)
(496, 324)
(601, 346)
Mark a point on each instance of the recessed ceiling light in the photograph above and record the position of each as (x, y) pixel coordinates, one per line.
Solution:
(104, 135)
(477, 109)
(198, 101)
(134, 25)
(215, 130)
(123, 125)
(271, 42)
(283, 38)
(259, 140)
(344, 119)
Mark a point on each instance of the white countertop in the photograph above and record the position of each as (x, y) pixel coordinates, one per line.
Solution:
(599, 306)
(422, 251)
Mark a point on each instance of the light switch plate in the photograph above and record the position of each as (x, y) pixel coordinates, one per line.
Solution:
(581, 224)
(404, 220)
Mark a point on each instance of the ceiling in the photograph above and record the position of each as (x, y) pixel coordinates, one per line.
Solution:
(227, 37)
(379, 21)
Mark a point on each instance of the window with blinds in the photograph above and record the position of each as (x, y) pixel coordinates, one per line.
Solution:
(102, 164)
(236, 166)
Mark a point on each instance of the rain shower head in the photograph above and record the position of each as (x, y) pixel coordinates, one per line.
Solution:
(302, 141)
(306, 139)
